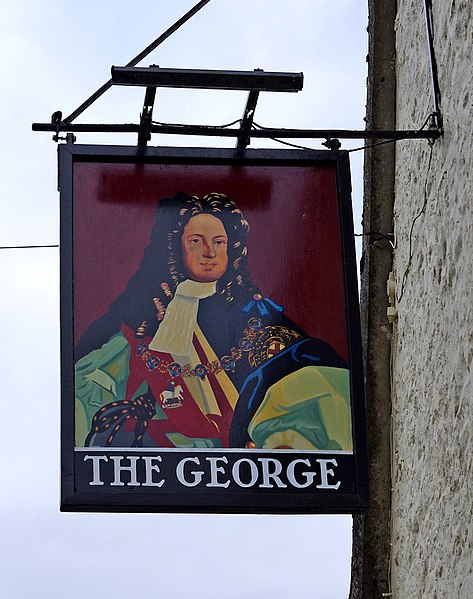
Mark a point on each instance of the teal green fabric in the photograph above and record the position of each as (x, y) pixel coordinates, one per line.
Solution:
(305, 417)
(312, 403)
(100, 378)
(187, 442)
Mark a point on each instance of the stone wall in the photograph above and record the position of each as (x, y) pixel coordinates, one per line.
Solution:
(432, 339)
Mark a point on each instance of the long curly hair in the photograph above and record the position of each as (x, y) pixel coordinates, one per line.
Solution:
(152, 287)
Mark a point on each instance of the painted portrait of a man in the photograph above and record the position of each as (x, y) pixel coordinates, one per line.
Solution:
(192, 353)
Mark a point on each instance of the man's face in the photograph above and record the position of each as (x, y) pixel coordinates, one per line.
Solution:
(204, 248)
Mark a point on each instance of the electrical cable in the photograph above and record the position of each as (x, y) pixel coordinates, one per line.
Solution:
(29, 247)
(418, 215)
(387, 141)
(286, 143)
(177, 125)
(365, 147)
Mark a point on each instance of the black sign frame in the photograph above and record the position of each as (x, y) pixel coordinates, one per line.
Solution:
(87, 472)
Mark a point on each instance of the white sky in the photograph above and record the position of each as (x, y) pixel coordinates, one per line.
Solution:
(55, 53)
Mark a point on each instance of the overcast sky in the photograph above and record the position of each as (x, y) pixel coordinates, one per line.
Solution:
(55, 54)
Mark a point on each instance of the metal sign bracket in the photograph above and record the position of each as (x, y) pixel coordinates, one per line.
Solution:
(251, 81)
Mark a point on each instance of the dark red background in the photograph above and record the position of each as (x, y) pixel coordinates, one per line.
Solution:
(294, 245)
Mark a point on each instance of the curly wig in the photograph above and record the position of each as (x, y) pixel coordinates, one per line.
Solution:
(162, 268)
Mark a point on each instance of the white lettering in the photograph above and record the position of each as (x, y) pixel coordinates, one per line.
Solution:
(214, 470)
(236, 473)
(267, 475)
(198, 474)
(118, 469)
(96, 467)
(309, 476)
(324, 472)
(149, 469)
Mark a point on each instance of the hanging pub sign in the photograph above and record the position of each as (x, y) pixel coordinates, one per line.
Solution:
(211, 356)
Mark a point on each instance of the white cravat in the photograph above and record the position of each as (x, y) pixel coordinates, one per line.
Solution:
(174, 335)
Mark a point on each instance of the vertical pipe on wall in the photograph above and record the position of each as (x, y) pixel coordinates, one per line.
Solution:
(371, 532)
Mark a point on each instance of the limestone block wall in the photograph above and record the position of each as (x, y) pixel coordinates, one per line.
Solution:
(432, 463)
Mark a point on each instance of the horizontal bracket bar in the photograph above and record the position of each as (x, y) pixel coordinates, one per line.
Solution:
(208, 79)
(267, 133)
